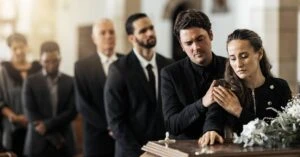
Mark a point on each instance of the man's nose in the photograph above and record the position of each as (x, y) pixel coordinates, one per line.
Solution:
(19, 51)
(150, 32)
(196, 46)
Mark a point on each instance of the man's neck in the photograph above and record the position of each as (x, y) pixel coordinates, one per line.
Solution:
(146, 53)
(53, 75)
(107, 53)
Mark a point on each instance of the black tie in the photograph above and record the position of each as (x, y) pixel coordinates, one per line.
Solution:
(151, 78)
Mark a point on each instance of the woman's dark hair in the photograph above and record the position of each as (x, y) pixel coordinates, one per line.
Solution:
(131, 19)
(191, 18)
(230, 76)
(16, 37)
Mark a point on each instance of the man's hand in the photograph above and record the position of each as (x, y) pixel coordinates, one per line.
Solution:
(40, 127)
(228, 100)
(21, 119)
(209, 138)
(208, 98)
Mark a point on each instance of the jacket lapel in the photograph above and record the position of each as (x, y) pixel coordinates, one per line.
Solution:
(60, 91)
(98, 70)
(46, 93)
(160, 64)
(140, 74)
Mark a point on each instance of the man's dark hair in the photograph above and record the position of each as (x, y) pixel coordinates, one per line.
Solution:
(131, 19)
(16, 37)
(49, 46)
(191, 18)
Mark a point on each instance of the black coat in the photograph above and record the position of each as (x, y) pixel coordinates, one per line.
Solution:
(89, 81)
(275, 93)
(37, 102)
(182, 91)
(133, 113)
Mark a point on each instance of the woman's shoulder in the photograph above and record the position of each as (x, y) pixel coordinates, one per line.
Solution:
(278, 81)
(280, 86)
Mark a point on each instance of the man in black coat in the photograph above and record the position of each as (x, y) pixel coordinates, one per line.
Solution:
(90, 77)
(50, 107)
(132, 99)
(187, 84)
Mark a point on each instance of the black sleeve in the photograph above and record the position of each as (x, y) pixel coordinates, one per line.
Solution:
(246, 116)
(286, 93)
(116, 105)
(30, 105)
(3, 88)
(177, 116)
(215, 119)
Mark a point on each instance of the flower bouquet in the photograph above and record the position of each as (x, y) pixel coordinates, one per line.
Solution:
(282, 131)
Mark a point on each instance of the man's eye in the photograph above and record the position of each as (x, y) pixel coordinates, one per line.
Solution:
(200, 39)
(232, 58)
(189, 43)
(244, 56)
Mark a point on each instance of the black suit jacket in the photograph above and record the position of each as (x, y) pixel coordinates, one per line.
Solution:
(89, 80)
(38, 106)
(133, 113)
(184, 114)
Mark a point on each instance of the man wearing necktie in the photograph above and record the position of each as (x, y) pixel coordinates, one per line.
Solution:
(90, 77)
(132, 101)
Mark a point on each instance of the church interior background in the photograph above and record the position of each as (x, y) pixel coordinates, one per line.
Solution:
(69, 22)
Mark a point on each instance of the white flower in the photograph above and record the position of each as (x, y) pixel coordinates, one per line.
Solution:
(293, 109)
(252, 133)
(282, 130)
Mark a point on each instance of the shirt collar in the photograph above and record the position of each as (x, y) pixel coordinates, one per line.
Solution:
(209, 68)
(143, 61)
(46, 75)
(104, 58)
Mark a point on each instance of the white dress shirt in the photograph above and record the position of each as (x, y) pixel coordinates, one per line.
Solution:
(105, 61)
(53, 90)
(144, 64)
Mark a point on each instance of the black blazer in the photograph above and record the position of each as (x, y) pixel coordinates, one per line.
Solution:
(184, 114)
(133, 113)
(38, 106)
(89, 81)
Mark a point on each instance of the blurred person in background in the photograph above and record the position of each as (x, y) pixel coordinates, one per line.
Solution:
(49, 105)
(12, 75)
(90, 76)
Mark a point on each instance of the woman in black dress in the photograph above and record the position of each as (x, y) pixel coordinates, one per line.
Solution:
(12, 74)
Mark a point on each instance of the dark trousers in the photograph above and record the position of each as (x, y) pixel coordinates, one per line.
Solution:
(109, 155)
(18, 141)
(51, 151)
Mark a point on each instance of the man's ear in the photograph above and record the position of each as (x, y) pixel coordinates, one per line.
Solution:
(131, 38)
(211, 35)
